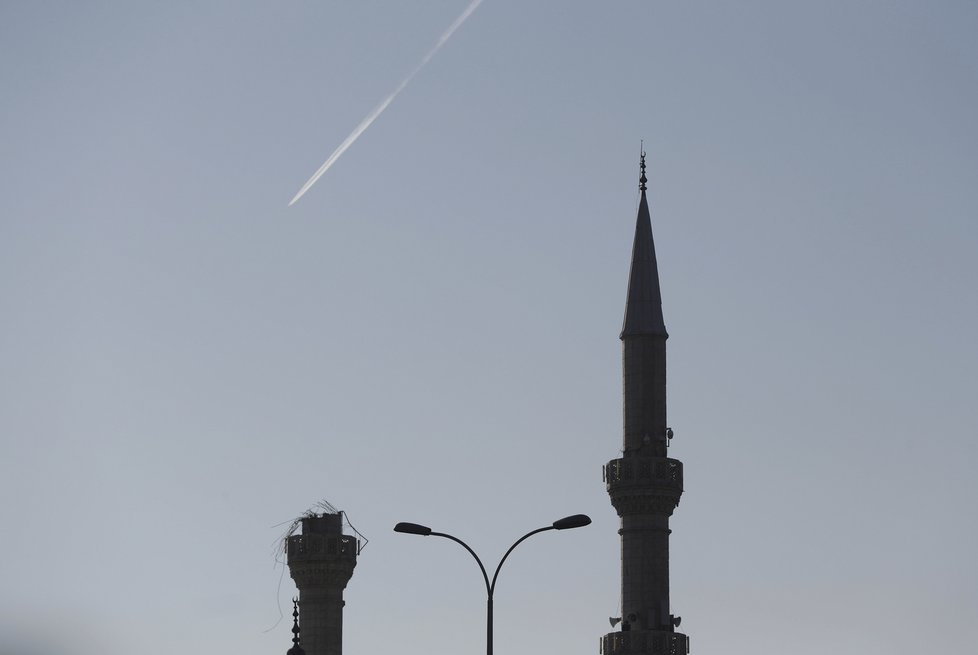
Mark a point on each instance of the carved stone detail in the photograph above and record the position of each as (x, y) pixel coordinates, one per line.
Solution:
(321, 574)
(644, 485)
(644, 471)
(651, 642)
(644, 503)
(321, 560)
(316, 547)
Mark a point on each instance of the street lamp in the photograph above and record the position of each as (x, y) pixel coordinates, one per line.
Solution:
(566, 523)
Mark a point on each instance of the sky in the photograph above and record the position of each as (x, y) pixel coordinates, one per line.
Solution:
(430, 334)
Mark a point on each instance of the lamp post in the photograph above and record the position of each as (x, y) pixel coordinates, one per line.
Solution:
(566, 523)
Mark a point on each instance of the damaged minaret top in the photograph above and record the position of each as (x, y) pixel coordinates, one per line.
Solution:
(321, 561)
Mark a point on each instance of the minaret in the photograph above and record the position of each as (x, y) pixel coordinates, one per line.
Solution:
(644, 484)
(321, 561)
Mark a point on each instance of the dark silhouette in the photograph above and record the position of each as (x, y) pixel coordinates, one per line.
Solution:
(321, 561)
(566, 523)
(644, 484)
(296, 648)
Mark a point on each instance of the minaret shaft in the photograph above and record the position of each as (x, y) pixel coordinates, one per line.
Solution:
(321, 618)
(645, 571)
(644, 395)
(645, 494)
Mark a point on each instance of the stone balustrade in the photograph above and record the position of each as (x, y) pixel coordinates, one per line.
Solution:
(316, 546)
(657, 471)
(653, 642)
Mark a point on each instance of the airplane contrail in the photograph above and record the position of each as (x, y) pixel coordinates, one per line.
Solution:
(372, 116)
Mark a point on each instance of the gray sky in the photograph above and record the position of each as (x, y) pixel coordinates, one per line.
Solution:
(430, 334)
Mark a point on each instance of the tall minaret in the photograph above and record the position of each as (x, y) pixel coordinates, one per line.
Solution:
(644, 484)
(321, 561)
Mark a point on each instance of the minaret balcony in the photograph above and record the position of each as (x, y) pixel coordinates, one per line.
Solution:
(644, 471)
(651, 642)
(644, 485)
(318, 547)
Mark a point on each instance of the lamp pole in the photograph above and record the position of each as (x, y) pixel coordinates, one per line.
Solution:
(566, 523)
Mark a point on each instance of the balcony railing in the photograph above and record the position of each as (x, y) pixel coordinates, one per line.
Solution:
(657, 471)
(645, 643)
(315, 546)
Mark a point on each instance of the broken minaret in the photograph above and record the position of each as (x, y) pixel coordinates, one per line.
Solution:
(321, 561)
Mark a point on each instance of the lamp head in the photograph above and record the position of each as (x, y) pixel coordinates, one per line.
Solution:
(414, 528)
(568, 522)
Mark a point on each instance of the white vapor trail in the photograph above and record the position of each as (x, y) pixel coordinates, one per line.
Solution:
(372, 116)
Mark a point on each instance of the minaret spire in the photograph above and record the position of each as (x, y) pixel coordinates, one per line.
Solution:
(644, 484)
(643, 308)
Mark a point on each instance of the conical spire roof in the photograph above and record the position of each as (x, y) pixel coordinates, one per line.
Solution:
(643, 307)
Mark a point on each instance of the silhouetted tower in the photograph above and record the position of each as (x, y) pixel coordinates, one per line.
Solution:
(321, 561)
(644, 484)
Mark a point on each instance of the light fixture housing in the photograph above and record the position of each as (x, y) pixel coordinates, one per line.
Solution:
(574, 521)
(412, 528)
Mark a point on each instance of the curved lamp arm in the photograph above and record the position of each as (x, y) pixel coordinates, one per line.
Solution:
(492, 587)
(566, 523)
(425, 531)
(464, 545)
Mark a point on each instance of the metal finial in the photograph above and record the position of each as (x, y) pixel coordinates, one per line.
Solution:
(295, 623)
(642, 179)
